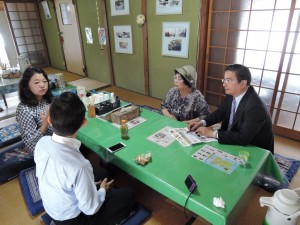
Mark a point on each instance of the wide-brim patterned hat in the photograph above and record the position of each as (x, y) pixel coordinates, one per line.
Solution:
(189, 73)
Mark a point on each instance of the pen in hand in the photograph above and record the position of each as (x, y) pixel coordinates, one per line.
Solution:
(190, 130)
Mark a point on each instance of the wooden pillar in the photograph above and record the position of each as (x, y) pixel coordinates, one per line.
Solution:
(145, 47)
(201, 56)
(110, 64)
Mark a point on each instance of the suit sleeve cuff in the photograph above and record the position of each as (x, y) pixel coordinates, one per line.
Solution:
(102, 194)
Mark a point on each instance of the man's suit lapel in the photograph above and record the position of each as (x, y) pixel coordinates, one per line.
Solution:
(241, 106)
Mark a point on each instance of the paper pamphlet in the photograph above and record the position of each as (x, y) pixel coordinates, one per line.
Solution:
(187, 138)
(162, 137)
(132, 123)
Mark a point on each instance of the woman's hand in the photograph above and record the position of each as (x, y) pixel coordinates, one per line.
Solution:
(44, 118)
(165, 112)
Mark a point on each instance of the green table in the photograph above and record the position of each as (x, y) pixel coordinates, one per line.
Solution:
(171, 165)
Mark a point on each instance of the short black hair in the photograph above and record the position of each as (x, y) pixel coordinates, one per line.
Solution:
(25, 95)
(67, 113)
(242, 72)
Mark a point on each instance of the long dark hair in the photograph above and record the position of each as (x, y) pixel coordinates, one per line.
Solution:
(25, 95)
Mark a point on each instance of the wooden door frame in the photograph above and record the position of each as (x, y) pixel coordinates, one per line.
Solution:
(58, 33)
(84, 69)
(109, 56)
(202, 34)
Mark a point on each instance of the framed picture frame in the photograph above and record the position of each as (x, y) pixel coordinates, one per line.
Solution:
(165, 7)
(102, 35)
(46, 10)
(123, 39)
(175, 39)
(119, 7)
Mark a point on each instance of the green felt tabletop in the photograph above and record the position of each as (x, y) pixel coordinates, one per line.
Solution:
(170, 166)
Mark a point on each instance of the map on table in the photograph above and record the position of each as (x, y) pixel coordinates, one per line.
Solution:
(216, 158)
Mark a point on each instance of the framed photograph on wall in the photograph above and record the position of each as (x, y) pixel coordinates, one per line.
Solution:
(123, 39)
(175, 39)
(119, 7)
(46, 9)
(164, 7)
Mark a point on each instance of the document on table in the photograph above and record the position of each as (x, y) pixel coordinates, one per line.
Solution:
(187, 138)
(219, 159)
(162, 137)
(132, 123)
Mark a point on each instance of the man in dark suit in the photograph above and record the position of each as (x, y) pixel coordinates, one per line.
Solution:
(244, 116)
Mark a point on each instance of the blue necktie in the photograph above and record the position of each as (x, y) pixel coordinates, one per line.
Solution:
(231, 114)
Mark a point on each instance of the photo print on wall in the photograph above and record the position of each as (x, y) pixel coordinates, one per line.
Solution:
(175, 39)
(123, 39)
(119, 7)
(165, 7)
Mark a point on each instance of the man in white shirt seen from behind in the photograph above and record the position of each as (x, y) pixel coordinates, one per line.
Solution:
(66, 180)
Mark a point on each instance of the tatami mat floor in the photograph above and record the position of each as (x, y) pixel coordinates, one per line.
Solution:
(68, 76)
(77, 80)
(89, 84)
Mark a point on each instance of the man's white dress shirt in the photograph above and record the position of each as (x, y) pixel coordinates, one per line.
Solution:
(66, 180)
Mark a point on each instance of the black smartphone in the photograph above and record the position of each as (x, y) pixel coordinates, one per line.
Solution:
(116, 147)
(190, 183)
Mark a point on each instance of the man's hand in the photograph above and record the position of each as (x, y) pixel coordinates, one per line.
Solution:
(195, 125)
(205, 131)
(191, 121)
(104, 184)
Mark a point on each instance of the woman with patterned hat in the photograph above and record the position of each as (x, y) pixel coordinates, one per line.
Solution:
(184, 102)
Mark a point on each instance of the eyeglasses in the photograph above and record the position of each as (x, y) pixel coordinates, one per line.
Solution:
(178, 77)
(228, 80)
